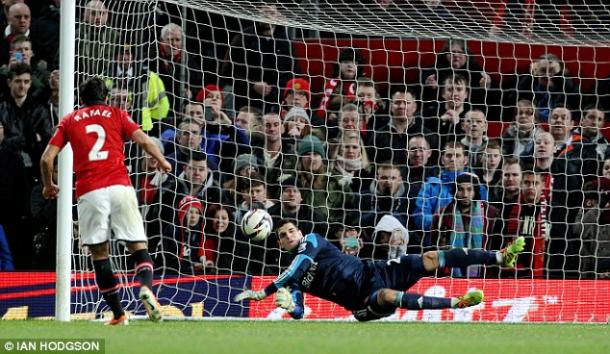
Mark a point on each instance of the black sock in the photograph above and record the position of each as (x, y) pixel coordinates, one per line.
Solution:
(144, 267)
(108, 286)
(413, 301)
(463, 257)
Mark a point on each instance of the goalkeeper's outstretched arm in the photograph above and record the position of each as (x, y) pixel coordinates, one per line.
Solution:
(303, 260)
(293, 274)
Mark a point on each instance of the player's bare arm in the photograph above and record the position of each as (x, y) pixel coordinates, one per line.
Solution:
(50, 189)
(151, 148)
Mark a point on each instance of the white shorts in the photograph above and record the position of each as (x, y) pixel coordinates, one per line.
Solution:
(113, 208)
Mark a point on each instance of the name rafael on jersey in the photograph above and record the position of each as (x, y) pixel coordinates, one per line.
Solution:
(93, 113)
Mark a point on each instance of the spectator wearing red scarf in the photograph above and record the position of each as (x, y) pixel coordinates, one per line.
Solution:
(341, 88)
(528, 218)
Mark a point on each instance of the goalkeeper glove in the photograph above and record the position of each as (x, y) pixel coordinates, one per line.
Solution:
(283, 299)
(250, 294)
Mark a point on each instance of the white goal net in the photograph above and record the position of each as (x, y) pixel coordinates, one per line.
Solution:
(355, 118)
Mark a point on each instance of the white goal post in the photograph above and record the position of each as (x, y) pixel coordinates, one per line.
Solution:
(64, 209)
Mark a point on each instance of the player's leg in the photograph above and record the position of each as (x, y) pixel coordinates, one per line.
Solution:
(107, 284)
(463, 257)
(384, 302)
(413, 301)
(93, 219)
(143, 262)
(375, 308)
(127, 224)
(144, 270)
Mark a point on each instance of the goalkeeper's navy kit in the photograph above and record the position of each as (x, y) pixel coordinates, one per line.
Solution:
(319, 268)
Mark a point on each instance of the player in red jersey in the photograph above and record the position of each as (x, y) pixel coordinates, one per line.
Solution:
(106, 200)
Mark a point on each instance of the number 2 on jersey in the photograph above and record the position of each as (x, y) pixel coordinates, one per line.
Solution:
(96, 153)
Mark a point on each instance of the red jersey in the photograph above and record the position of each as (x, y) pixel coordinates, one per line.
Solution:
(97, 134)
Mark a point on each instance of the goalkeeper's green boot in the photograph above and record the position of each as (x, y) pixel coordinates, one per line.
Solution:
(510, 253)
(471, 298)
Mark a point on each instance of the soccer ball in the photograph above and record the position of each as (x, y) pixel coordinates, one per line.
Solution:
(257, 224)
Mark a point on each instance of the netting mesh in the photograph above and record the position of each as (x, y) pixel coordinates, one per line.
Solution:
(354, 119)
(542, 21)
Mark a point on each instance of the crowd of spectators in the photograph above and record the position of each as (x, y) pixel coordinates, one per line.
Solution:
(379, 173)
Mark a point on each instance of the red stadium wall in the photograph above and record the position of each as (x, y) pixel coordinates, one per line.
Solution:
(31, 295)
(390, 60)
(400, 61)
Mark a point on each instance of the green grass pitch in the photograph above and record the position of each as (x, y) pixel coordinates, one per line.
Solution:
(286, 337)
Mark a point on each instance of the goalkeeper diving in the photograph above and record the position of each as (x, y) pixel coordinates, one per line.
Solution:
(369, 289)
